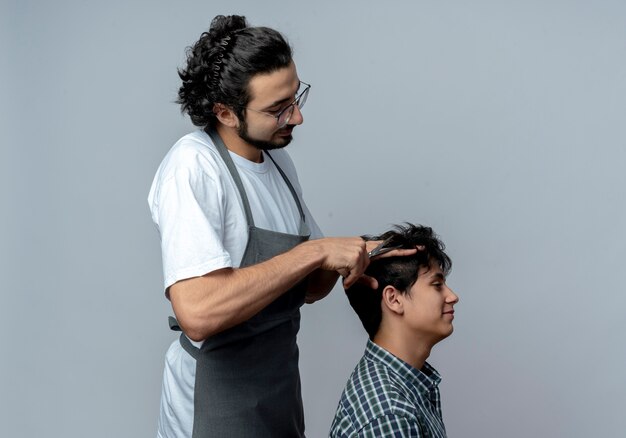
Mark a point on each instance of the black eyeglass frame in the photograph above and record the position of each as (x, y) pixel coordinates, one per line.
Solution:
(300, 100)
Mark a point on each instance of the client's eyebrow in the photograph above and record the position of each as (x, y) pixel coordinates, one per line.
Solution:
(437, 276)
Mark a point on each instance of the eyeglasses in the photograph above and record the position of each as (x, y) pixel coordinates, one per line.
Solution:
(284, 115)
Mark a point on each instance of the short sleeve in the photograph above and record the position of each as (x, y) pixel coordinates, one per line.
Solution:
(390, 426)
(189, 213)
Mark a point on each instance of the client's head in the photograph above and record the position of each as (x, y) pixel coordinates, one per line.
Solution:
(412, 299)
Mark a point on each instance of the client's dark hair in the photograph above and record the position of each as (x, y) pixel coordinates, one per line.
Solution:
(222, 62)
(400, 272)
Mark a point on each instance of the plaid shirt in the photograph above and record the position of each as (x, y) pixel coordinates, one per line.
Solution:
(387, 397)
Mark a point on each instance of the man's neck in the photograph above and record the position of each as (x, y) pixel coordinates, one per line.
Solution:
(404, 346)
(236, 144)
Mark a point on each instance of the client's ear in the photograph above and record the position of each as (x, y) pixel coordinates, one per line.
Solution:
(392, 300)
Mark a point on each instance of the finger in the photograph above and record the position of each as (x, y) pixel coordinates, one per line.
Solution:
(350, 280)
(343, 272)
(365, 280)
(368, 281)
(371, 244)
(357, 274)
(359, 265)
(396, 253)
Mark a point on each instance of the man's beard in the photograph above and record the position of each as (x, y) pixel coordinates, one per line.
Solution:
(263, 145)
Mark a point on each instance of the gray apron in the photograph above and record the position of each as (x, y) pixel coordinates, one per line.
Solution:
(247, 378)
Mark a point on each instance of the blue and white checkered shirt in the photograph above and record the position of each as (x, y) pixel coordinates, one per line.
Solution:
(387, 397)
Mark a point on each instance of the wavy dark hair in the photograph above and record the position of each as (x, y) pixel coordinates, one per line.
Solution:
(399, 272)
(222, 62)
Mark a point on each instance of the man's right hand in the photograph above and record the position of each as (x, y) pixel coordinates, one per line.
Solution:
(345, 255)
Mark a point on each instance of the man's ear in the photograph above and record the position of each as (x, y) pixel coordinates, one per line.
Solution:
(225, 115)
(392, 300)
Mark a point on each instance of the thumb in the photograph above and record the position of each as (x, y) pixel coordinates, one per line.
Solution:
(365, 280)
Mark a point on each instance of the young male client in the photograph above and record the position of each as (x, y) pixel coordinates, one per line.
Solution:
(393, 391)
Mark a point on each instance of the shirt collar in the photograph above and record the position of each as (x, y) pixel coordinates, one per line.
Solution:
(425, 380)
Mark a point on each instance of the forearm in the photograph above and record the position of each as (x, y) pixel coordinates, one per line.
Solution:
(222, 299)
(320, 284)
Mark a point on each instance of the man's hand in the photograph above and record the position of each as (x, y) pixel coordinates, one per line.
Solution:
(370, 245)
(345, 255)
(349, 257)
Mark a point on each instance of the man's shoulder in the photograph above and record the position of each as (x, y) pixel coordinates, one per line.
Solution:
(193, 148)
(192, 153)
(373, 391)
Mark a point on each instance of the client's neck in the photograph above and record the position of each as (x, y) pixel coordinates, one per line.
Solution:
(404, 346)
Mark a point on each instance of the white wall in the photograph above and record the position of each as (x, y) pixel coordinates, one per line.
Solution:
(498, 123)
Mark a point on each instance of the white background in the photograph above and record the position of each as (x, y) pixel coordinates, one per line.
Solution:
(498, 123)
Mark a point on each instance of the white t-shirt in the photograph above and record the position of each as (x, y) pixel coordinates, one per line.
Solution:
(199, 214)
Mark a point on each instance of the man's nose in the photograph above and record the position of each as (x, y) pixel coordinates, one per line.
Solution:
(296, 118)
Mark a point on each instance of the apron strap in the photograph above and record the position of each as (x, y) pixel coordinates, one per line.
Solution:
(291, 189)
(221, 148)
(174, 324)
(189, 347)
(184, 341)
